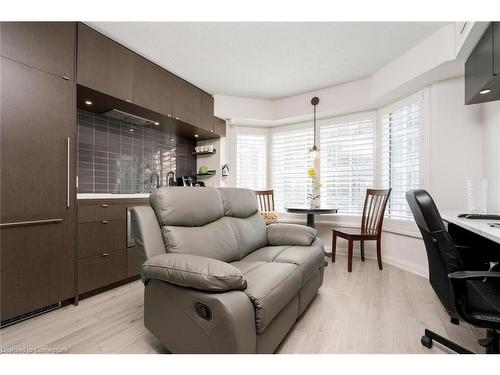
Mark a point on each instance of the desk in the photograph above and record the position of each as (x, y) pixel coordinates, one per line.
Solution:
(479, 227)
(310, 213)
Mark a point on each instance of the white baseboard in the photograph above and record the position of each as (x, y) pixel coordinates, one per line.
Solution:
(396, 262)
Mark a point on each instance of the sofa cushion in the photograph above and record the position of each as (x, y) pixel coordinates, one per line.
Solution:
(214, 240)
(308, 258)
(270, 287)
(239, 202)
(250, 233)
(265, 254)
(193, 271)
(186, 206)
(290, 234)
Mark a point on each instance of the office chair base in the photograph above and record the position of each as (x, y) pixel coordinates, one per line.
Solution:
(430, 336)
(492, 342)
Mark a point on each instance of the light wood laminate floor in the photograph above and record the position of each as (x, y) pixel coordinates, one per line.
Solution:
(366, 311)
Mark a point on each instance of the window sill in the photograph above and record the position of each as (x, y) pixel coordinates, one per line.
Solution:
(403, 227)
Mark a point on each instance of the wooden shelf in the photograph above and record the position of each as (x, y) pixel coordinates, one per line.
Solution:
(204, 153)
(209, 173)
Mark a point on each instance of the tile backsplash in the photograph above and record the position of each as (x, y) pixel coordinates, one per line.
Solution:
(118, 157)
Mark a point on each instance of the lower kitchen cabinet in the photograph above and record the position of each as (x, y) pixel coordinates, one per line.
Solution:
(100, 270)
(104, 257)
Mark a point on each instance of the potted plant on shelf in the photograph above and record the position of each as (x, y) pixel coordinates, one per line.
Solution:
(314, 195)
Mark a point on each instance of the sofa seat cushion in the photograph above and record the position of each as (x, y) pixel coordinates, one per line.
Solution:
(270, 287)
(307, 258)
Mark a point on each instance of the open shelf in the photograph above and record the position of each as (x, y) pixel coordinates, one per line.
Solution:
(209, 173)
(204, 153)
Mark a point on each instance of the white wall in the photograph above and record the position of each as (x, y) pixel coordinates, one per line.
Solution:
(491, 153)
(455, 144)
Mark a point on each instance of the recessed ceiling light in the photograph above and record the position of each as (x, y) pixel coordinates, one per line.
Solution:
(196, 135)
(131, 130)
(88, 102)
(211, 130)
(171, 139)
(157, 123)
(486, 91)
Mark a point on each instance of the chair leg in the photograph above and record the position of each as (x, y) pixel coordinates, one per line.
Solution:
(379, 254)
(349, 255)
(362, 247)
(334, 247)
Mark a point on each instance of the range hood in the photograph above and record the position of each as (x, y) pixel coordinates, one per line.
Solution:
(128, 117)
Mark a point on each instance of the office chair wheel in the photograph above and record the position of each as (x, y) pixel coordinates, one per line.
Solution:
(426, 341)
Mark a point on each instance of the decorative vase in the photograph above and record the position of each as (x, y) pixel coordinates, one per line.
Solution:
(314, 195)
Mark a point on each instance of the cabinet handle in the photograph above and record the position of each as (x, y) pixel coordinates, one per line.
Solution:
(68, 157)
(31, 222)
(104, 205)
(104, 221)
(104, 255)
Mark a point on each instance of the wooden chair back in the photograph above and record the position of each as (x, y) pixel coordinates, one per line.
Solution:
(265, 199)
(373, 210)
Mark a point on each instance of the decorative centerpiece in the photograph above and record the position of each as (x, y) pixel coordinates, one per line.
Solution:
(314, 195)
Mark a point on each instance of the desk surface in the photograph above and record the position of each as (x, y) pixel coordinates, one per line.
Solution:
(479, 227)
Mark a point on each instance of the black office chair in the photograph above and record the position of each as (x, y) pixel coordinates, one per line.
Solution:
(473, 296)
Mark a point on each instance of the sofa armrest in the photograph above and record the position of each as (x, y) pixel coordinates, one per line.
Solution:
(290, 234)
(193, 271)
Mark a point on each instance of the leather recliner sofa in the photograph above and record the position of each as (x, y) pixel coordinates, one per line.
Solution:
(217, 279)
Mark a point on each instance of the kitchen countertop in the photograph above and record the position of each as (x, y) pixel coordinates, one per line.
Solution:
(111, 196)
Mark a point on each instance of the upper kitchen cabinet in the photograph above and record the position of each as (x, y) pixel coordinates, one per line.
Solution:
(187, 102)
(104, 65)
(496, 48)
(220, 126)
(153, 87)
(47, 46)
(207, 111)
(482, 84)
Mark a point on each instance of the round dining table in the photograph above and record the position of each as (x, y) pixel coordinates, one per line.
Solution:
(311, 212)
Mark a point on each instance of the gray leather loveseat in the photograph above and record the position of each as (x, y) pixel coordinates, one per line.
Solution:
(217, 279)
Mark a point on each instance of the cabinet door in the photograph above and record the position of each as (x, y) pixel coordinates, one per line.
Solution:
(104, 65)
(48, 46)
(496, 48)
(37, 226)
(479, 67)
(207, 111)
(187, 102)
(220, 126)
(152, 87)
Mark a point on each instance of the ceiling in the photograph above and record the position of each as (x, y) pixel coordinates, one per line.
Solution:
(269, 60)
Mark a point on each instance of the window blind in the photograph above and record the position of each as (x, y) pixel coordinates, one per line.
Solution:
(347, 164)
(251, 159)
(290, 161)
(400, 155)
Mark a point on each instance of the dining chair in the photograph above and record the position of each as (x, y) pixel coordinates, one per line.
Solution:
(371, 226)
(266, 205)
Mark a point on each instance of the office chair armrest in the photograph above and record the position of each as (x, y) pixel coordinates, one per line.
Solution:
(471, 275)
(464, 247)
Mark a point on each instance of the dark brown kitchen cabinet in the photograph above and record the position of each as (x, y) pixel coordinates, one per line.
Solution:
(219, 126)
(207, 111)
(37, 184)
(187, 102)
(482, 79)
(101, 270)
(496, 48)
(104, 65)
(152, 87)
(48, 46)
(101, 237)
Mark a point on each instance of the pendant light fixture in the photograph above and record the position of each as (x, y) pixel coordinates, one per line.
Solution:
(315, 149)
